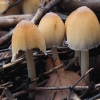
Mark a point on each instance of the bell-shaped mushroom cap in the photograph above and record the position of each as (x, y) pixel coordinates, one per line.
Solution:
(26, 35)
(82, 29)
(52, 29)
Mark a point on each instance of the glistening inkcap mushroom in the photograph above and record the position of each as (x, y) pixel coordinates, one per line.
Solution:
(27, 36)
(83, 33)
(4, 5)
(53, 30)
(31, 6)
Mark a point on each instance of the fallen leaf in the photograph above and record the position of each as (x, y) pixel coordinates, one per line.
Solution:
(58, 78)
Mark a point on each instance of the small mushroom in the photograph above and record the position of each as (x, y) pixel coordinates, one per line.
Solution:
(83, 33)
(4, 5)
(27, 36)
(31, 6)
(53, 31)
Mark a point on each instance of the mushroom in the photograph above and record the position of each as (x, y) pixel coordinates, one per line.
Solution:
(26, 36)
(4, 5)
(83, 33)
(53, 31)
(77, 53)
(31, 5)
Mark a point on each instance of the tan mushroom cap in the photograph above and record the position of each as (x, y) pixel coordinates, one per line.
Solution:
(52, 29)
(82, 29)
(26, 35)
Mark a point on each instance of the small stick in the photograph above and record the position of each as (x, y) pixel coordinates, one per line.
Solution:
(12, 63)
(8, 84)
(82, 77)
(9, 95)
(74, 60)
(48, 72)
(6, 38)
(11, 20)
(94, 97)
(43, 10)
(69, 93)
(71, 88)
(21, 59)
(45, 73)
(3, 93)
(23, 92)
(3, 50)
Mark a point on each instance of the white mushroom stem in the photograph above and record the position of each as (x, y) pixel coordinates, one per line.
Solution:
(78, 54)
(54, 52)
(31, 69)
(85, 65)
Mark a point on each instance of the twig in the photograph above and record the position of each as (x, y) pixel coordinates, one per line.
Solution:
(48, 88)
(36, 55)
(8, 84)
(74, 60)
(21, 59)
(45, 88)
(71, 88)
(2, 95)
(55, 68)
(5, 38)
(94, 97)
(70, 5)
(3, 50)
(90, 88)
(49, 52)
(45, 73)
(12, 63)
(48, 72)
(26, 91)
(82, 77)
(43, 10)
(11, 20)
(9, 95)
(11, 5)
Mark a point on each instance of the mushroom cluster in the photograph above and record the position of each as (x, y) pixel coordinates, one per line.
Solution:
(83, 33)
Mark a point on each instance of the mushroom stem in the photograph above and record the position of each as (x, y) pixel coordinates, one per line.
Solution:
(54, 53)
(31, 69)
(78, 54)
(85, 65)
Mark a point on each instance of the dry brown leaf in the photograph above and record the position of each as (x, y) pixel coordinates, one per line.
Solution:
(58, 78)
